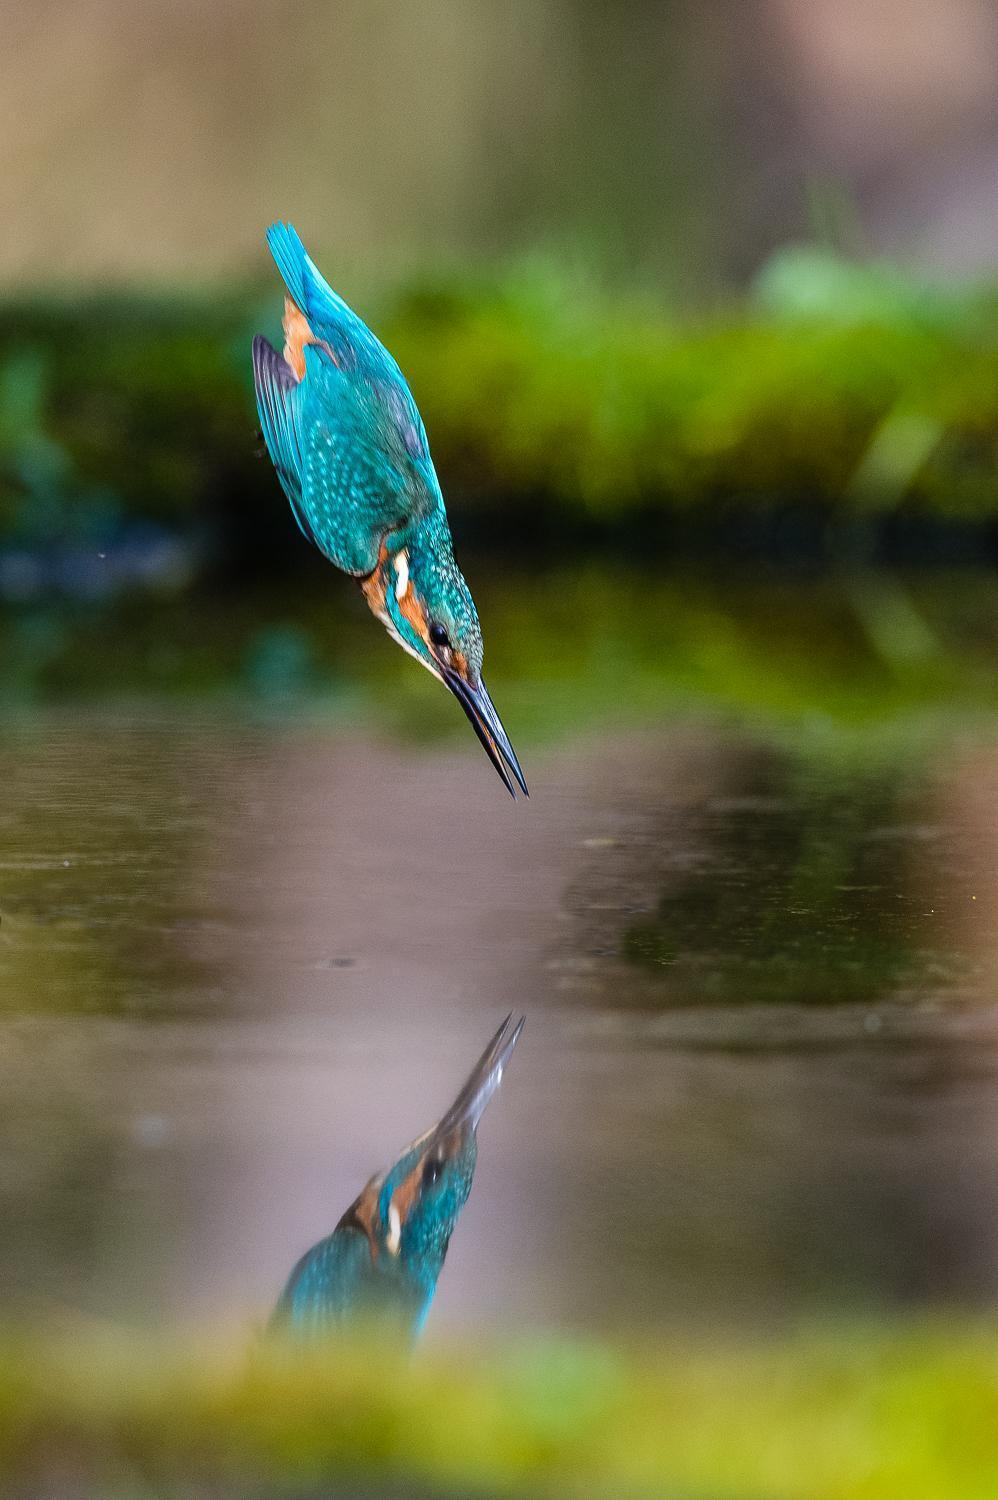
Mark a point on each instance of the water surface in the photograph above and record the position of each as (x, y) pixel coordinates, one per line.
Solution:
(245, 955)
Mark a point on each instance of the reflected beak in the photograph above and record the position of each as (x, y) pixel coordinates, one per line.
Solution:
(488, 726)
(484, 1079)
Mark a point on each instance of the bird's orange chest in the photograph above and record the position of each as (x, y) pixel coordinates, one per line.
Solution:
(374, 586)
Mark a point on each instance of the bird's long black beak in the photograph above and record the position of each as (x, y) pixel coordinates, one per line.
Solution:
(488, 726)
(484, 1079)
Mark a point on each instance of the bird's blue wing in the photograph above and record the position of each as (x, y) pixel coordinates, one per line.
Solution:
(278, 401)
(338, 1281)
(345, 491)
(354, 490)
(326, 1285)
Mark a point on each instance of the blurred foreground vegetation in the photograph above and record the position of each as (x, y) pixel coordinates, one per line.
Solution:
(835, 391)
(857, 1414)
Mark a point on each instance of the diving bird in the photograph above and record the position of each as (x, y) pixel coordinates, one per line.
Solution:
(382, 1261)
(351, 453)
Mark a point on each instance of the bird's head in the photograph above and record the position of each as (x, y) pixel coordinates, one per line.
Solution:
(410, 1211)
(419, 593)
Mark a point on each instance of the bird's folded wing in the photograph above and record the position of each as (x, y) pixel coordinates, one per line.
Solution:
(355, 488)
(344, 495)
(325, 1285)
(278, 402)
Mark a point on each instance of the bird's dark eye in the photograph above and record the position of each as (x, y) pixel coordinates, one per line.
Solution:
(438, 635)
(431, 1171)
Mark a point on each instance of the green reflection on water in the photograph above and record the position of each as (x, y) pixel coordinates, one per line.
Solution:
(568, 647)
(805, 888)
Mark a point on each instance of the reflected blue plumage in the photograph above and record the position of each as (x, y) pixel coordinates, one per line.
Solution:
(384, 1257)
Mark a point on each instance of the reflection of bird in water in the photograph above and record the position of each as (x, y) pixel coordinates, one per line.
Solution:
(383, 1258)
(351, 453)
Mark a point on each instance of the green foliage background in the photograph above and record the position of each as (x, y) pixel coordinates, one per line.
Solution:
(848, 390)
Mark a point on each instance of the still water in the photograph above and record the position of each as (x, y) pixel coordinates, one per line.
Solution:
(245, 956)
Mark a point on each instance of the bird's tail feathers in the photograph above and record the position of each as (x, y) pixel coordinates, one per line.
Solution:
(311, 292)
(292, 260)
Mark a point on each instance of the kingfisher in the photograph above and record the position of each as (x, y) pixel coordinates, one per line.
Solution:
(352, 456)
(382, 1261)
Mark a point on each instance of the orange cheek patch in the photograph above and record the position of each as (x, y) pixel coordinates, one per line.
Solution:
(411, 611)
(406, 1195)
(365, 1214)
(375, 590)
(407, 1191)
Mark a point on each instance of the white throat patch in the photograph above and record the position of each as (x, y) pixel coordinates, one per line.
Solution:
(394, 1240)
(400, 562)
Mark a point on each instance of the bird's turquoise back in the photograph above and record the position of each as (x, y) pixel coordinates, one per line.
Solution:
(347, 440)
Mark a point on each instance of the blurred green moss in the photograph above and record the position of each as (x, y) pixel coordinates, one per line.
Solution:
(849, 390)
(855, 1413)
(133, 404)
(604, 409)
